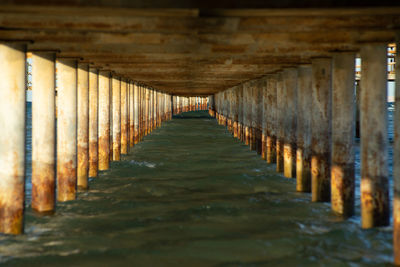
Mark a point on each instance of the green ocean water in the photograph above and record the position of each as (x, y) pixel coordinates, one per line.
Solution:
(192, 195)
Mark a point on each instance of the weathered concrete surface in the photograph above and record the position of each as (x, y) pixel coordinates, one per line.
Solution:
(83, 125)
(289, 148)
(303, 130)
(43, 132)
(124, 117)
(116, 118)
(271, 119)
(93, 121)
(374, 141)
(321, 129)
(280, 100)
(66, 129)
(12, 138)
(343, 132)
(104, 120)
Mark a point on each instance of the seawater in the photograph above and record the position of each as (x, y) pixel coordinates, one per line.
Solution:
(192, 195)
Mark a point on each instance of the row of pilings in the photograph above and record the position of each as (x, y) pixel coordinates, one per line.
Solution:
(302, 118)
(83, 118)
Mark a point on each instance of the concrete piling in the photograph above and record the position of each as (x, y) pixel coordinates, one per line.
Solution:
(132, 114)
(271, 118)
(124, 117)
(43, 132)
(343, 132)
(374, 142)
(303, 129)
(116, 118)
(280, 100)
(104, 120)
(12, 138)
(321, 129)
(289, 147)
(83, 126)
(66, 129)
(93, 121)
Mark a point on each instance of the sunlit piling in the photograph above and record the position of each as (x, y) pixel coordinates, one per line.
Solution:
(116, 118)
(93, 121)
(12, 138)
(132, 114)
(124, 117)
(104, 120)
(83, 126)
(43, 131)
(66, 129)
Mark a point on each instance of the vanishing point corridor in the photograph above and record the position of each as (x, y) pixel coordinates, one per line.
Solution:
(190, 194)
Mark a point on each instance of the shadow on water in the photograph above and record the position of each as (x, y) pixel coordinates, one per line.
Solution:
(191, 195)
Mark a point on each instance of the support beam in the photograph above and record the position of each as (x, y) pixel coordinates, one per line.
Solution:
(66, 129)
(12, 138)
(83, 125)
(374, 138)
(343, 132)
(43, 132)
(321, 129)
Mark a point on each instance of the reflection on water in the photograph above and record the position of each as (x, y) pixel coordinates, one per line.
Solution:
(190, 194)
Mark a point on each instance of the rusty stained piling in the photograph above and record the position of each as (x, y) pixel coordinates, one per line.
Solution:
(235, 111)
(321, 129)
(146, 111)
(280, 100)
(124, 117)
(132, 114)
(396, 164)
(246, 113)
(303, 130)
(104, 120)
(343, 132)
(264, 118)
(253, 111)
(43, 132)
(66, 129)
(289, 147)
(271, 114)
(240, 113)
(374, 140)
(116, 119)
(83, 126)
(258, 113)
(93, 121)
(12, 138)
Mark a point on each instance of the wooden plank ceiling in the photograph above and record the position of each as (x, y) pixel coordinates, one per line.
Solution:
(197, 47)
